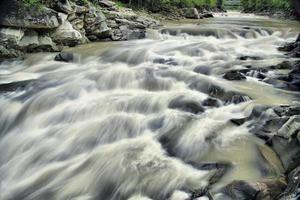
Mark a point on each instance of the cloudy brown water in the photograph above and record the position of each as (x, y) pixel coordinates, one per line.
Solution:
(115, 123)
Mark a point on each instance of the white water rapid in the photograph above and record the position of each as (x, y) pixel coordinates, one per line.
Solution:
(136, 120)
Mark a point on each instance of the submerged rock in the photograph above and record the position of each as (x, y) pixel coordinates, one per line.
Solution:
(185, 104)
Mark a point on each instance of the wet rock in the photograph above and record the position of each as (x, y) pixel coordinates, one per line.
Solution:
(13, 86)
(191, 13)
(276, 83)
(288, 151)
(169, 61)
(212, 102)
(290, 128)
(8, 53)
(250, 58)
(236, 99)
(265, 190)
(282, 65)
(292, 191)
(234, 76)
(64, 57)
(203, 70)
(186, 104)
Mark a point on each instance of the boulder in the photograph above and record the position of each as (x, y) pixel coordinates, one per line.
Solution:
(186, 104)
(8, 53)
(264, 190)
(95, 25)
(288, 151)
(66, 35)
(206, 15)
(191, 13)
(234, 76)
(106, 3)
(64, 6)
(292, 191)
(11, 35)
(21, 16)
(64, 57)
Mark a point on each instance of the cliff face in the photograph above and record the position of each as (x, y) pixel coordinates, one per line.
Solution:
(50, 25)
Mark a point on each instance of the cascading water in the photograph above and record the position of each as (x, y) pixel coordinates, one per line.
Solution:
(139, 119)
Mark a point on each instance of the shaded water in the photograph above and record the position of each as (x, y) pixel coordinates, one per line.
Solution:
(130, 120)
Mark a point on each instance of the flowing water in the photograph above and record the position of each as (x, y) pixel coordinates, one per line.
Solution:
(138, 119)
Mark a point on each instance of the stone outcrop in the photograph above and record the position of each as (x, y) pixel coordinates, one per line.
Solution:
(49, 26)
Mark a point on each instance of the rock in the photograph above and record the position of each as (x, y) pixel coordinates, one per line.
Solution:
(64, 57)
(236, 99)
(95, 24)
(24, 17)
(206, 15)
(203, 70)
(130, 24)
(287, 110)
(11, 35)
(234, 75)
(250, 58)
(106, 3)
(124, 33)
(168, 61)
(185, 104)
(66, 35)
(211, 102)
(64, 6)
(292, 191)
(8, 53)
(290, 128)
(282, 65)
(13, 86)
(30, 39)
(265, 190)
(191, 13)
(288, 151)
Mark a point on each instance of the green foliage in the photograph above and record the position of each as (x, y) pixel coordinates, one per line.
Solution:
(251, 5)
(30, 3)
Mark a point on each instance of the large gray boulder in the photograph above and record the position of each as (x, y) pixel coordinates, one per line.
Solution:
(191, 13)
(65, 34)
(11, 35)
(33, 42)
(33, 18)
(95, 24)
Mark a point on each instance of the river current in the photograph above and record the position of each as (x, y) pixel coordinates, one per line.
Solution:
(139, 119)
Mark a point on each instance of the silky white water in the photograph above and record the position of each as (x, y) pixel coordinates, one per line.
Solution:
(126, 119)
